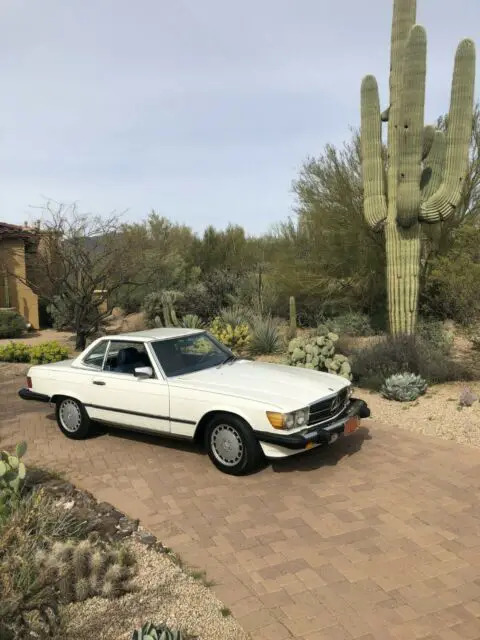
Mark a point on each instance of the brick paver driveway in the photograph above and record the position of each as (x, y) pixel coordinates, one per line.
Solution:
(376, 538)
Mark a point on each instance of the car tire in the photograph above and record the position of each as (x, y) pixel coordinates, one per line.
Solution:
(72, 418)
(232, 445)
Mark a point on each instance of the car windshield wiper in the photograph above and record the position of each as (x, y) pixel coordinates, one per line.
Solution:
(231, 358)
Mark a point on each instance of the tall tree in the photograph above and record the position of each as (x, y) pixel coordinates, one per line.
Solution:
(81, 262)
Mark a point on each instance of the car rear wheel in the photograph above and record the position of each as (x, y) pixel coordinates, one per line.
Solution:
(232, 446)
(72, 418)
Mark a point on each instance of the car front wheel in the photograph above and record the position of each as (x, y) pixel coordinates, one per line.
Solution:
(232, 446)
(72, 418)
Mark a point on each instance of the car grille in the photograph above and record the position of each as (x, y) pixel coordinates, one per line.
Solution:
(325, 409)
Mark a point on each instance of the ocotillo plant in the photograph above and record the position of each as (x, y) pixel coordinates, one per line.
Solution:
(426, 169)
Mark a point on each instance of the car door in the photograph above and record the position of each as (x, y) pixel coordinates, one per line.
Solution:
(118, 397)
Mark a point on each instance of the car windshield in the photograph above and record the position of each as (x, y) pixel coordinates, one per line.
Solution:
(187, 354)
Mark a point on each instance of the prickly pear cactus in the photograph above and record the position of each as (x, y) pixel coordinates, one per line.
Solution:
(12, 470)
(318, 352)
(426, 168)
(151, 632)
(403, 387)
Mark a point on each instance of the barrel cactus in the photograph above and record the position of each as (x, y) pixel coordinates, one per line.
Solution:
(151, 632)
(318, 353)
(403, 387)
(426, 168)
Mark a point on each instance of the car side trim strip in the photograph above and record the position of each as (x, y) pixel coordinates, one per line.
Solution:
(140, 415)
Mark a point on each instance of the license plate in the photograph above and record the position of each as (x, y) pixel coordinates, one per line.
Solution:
(351, 425)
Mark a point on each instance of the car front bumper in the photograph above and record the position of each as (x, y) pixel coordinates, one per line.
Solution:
(316, 435)
(28, 394)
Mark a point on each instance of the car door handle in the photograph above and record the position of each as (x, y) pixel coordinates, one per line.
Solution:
(99, 382)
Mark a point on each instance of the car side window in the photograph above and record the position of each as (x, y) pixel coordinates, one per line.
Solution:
(125, 357)
(95, 358)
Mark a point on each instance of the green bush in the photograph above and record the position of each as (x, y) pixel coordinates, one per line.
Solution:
(318, 352)
(385, 357)
(403, 387)
(12, 324)
(433, 331)
(265, 336)
(349, 324)
(453, 280)
(34, 354)
(48, 352)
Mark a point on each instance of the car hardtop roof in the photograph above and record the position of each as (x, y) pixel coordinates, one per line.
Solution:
(151, 335)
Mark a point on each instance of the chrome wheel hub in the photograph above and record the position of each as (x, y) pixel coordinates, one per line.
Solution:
(227, 445)
(70, 416)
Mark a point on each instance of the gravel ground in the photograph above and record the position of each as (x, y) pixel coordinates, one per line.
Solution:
(437, 413)
(163, 593)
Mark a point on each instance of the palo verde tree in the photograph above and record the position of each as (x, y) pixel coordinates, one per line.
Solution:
(426, 168)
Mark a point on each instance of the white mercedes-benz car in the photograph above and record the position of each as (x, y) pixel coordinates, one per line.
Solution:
(185, 384)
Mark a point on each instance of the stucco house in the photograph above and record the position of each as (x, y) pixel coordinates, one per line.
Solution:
(17, 244)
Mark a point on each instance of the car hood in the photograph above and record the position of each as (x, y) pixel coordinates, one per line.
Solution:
(283, 387)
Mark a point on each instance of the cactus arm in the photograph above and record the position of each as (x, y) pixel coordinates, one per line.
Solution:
(411, 129)
(432, 175)
(385, 115)
(442, 204)
(375, 200)
(404, 16)
(428, 138)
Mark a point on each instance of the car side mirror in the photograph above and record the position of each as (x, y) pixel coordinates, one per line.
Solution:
(143, 373)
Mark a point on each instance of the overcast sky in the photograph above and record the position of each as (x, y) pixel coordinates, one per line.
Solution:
(201, 109)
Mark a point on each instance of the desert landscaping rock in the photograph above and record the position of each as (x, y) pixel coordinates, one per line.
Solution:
(437, 413)
(162, 594)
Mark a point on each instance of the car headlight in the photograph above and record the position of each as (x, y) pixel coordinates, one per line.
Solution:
(287, 421)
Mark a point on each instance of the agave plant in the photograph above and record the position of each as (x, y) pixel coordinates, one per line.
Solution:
(403, 387)
(192, 321)
(161, 632)
(235, 315)
(264, 336)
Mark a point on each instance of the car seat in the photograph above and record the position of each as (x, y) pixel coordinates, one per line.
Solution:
(128, 360)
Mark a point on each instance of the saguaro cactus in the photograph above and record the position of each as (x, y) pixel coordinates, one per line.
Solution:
(426, 169)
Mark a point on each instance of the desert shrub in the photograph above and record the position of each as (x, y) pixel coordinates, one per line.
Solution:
(265, 336)
(48, 352)
(385, 357)
(33, 354)
(15, 352)
(318, 352)
(46, 560)
(453, 280)
(403, 387)
(235, 338)
(352, 323)
(12, 324)
(433, 331)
